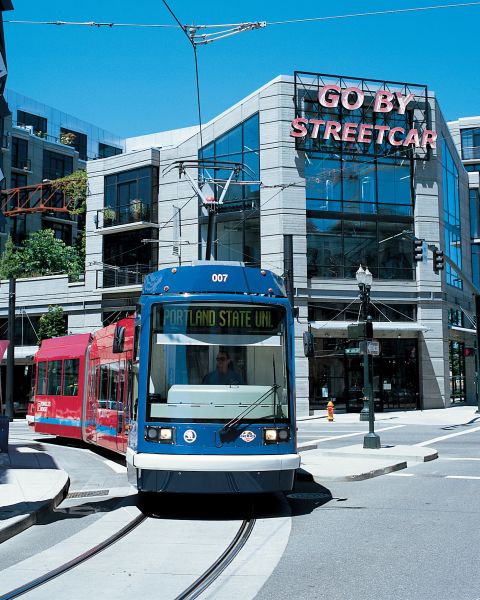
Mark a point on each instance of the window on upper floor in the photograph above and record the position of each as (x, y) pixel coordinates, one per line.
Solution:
(451, 214)
(105, 150)
(56, 165)
(474, 212)
(20, 154)
(470, 143)
(39, 124)
(131, 196)
(357, 208)
(240, 145)
(61, 231)
(472, 168)
(76, 140)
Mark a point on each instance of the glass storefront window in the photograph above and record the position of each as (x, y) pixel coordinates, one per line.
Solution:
(335, 375)
(456, 353)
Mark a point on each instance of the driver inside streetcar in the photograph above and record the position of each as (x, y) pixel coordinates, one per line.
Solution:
(224, 374)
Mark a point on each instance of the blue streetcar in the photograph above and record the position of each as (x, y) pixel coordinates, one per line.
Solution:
(213, 382)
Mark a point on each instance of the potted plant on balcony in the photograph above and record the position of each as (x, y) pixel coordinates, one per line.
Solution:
(68, 138)
(109, 214)
(136, 209)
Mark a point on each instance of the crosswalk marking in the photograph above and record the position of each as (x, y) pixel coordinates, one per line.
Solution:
(461, 477)
(446, 437)
(401, 474)
(346, 435)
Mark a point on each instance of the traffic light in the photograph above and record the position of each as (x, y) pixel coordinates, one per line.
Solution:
(360, 331)
(438, 260)
(308, 344)
(417, 250)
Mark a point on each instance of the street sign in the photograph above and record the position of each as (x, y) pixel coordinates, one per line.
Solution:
(352, 351)
(373, 348)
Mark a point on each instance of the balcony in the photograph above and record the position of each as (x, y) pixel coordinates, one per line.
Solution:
(129, 275)
(471, 152)
(135, 215)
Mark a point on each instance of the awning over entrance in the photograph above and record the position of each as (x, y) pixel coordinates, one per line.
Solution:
(386, 327)
(23, 355)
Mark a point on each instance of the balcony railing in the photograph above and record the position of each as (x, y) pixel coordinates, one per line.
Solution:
(470, 152)
(25, 164)
(134, 212)
(112, 276)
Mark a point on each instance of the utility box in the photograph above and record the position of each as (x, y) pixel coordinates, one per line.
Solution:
(4, 425)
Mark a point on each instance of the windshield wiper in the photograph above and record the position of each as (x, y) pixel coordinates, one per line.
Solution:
(233, 422)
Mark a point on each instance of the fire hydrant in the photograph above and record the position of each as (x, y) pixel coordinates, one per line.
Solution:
(330, 407)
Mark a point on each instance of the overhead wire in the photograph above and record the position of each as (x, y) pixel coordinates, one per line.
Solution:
(240, 24)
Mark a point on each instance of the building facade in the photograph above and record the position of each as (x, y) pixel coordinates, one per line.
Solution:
(38, 144)
(41, 143)
(329, 174)
(342, 184)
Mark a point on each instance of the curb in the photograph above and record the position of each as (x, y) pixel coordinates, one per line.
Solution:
(26, 521)
(305, 475)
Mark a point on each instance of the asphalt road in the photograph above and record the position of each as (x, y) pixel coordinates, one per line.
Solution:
(409, 535)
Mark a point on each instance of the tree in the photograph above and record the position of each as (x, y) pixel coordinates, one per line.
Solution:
(52, 324)
(76, 188)
(43, 254)
(10, 263)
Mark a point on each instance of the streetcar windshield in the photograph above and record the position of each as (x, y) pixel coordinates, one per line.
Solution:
(210, 361)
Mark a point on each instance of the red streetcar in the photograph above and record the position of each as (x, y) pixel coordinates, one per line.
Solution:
(81, 386)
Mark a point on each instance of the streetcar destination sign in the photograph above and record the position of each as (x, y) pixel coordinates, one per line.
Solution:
(176, 318)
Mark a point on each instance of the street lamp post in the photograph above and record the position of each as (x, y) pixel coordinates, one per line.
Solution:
(371, 439)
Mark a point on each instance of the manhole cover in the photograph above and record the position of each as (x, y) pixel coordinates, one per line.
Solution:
(88, 494)
(308, 496)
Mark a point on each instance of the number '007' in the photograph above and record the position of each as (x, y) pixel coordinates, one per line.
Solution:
(220, 277)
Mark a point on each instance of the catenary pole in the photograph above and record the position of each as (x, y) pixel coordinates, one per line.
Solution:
(11, 350)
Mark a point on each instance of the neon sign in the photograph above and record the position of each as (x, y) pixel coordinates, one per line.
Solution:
(394, 115)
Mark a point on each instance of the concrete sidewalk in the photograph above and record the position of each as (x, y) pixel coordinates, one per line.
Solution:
(454, 415)
(31, 484)
(355, 463)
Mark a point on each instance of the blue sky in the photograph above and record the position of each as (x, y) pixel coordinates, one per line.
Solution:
(133, 81)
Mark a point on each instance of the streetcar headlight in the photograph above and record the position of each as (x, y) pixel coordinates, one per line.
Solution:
(270, 435)
(166, 434)
(273, 436)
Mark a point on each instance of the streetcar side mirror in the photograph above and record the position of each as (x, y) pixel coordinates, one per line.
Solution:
(118, 339)
(308, 345)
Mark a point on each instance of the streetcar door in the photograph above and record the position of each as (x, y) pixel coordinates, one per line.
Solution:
(121, 405)
(92, 401)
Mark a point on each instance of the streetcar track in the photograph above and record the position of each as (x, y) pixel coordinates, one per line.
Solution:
(192, 591)
(39, 581)
(216, 569)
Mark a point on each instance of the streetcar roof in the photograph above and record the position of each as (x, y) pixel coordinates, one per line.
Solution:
(66, 346)
(215, 277)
